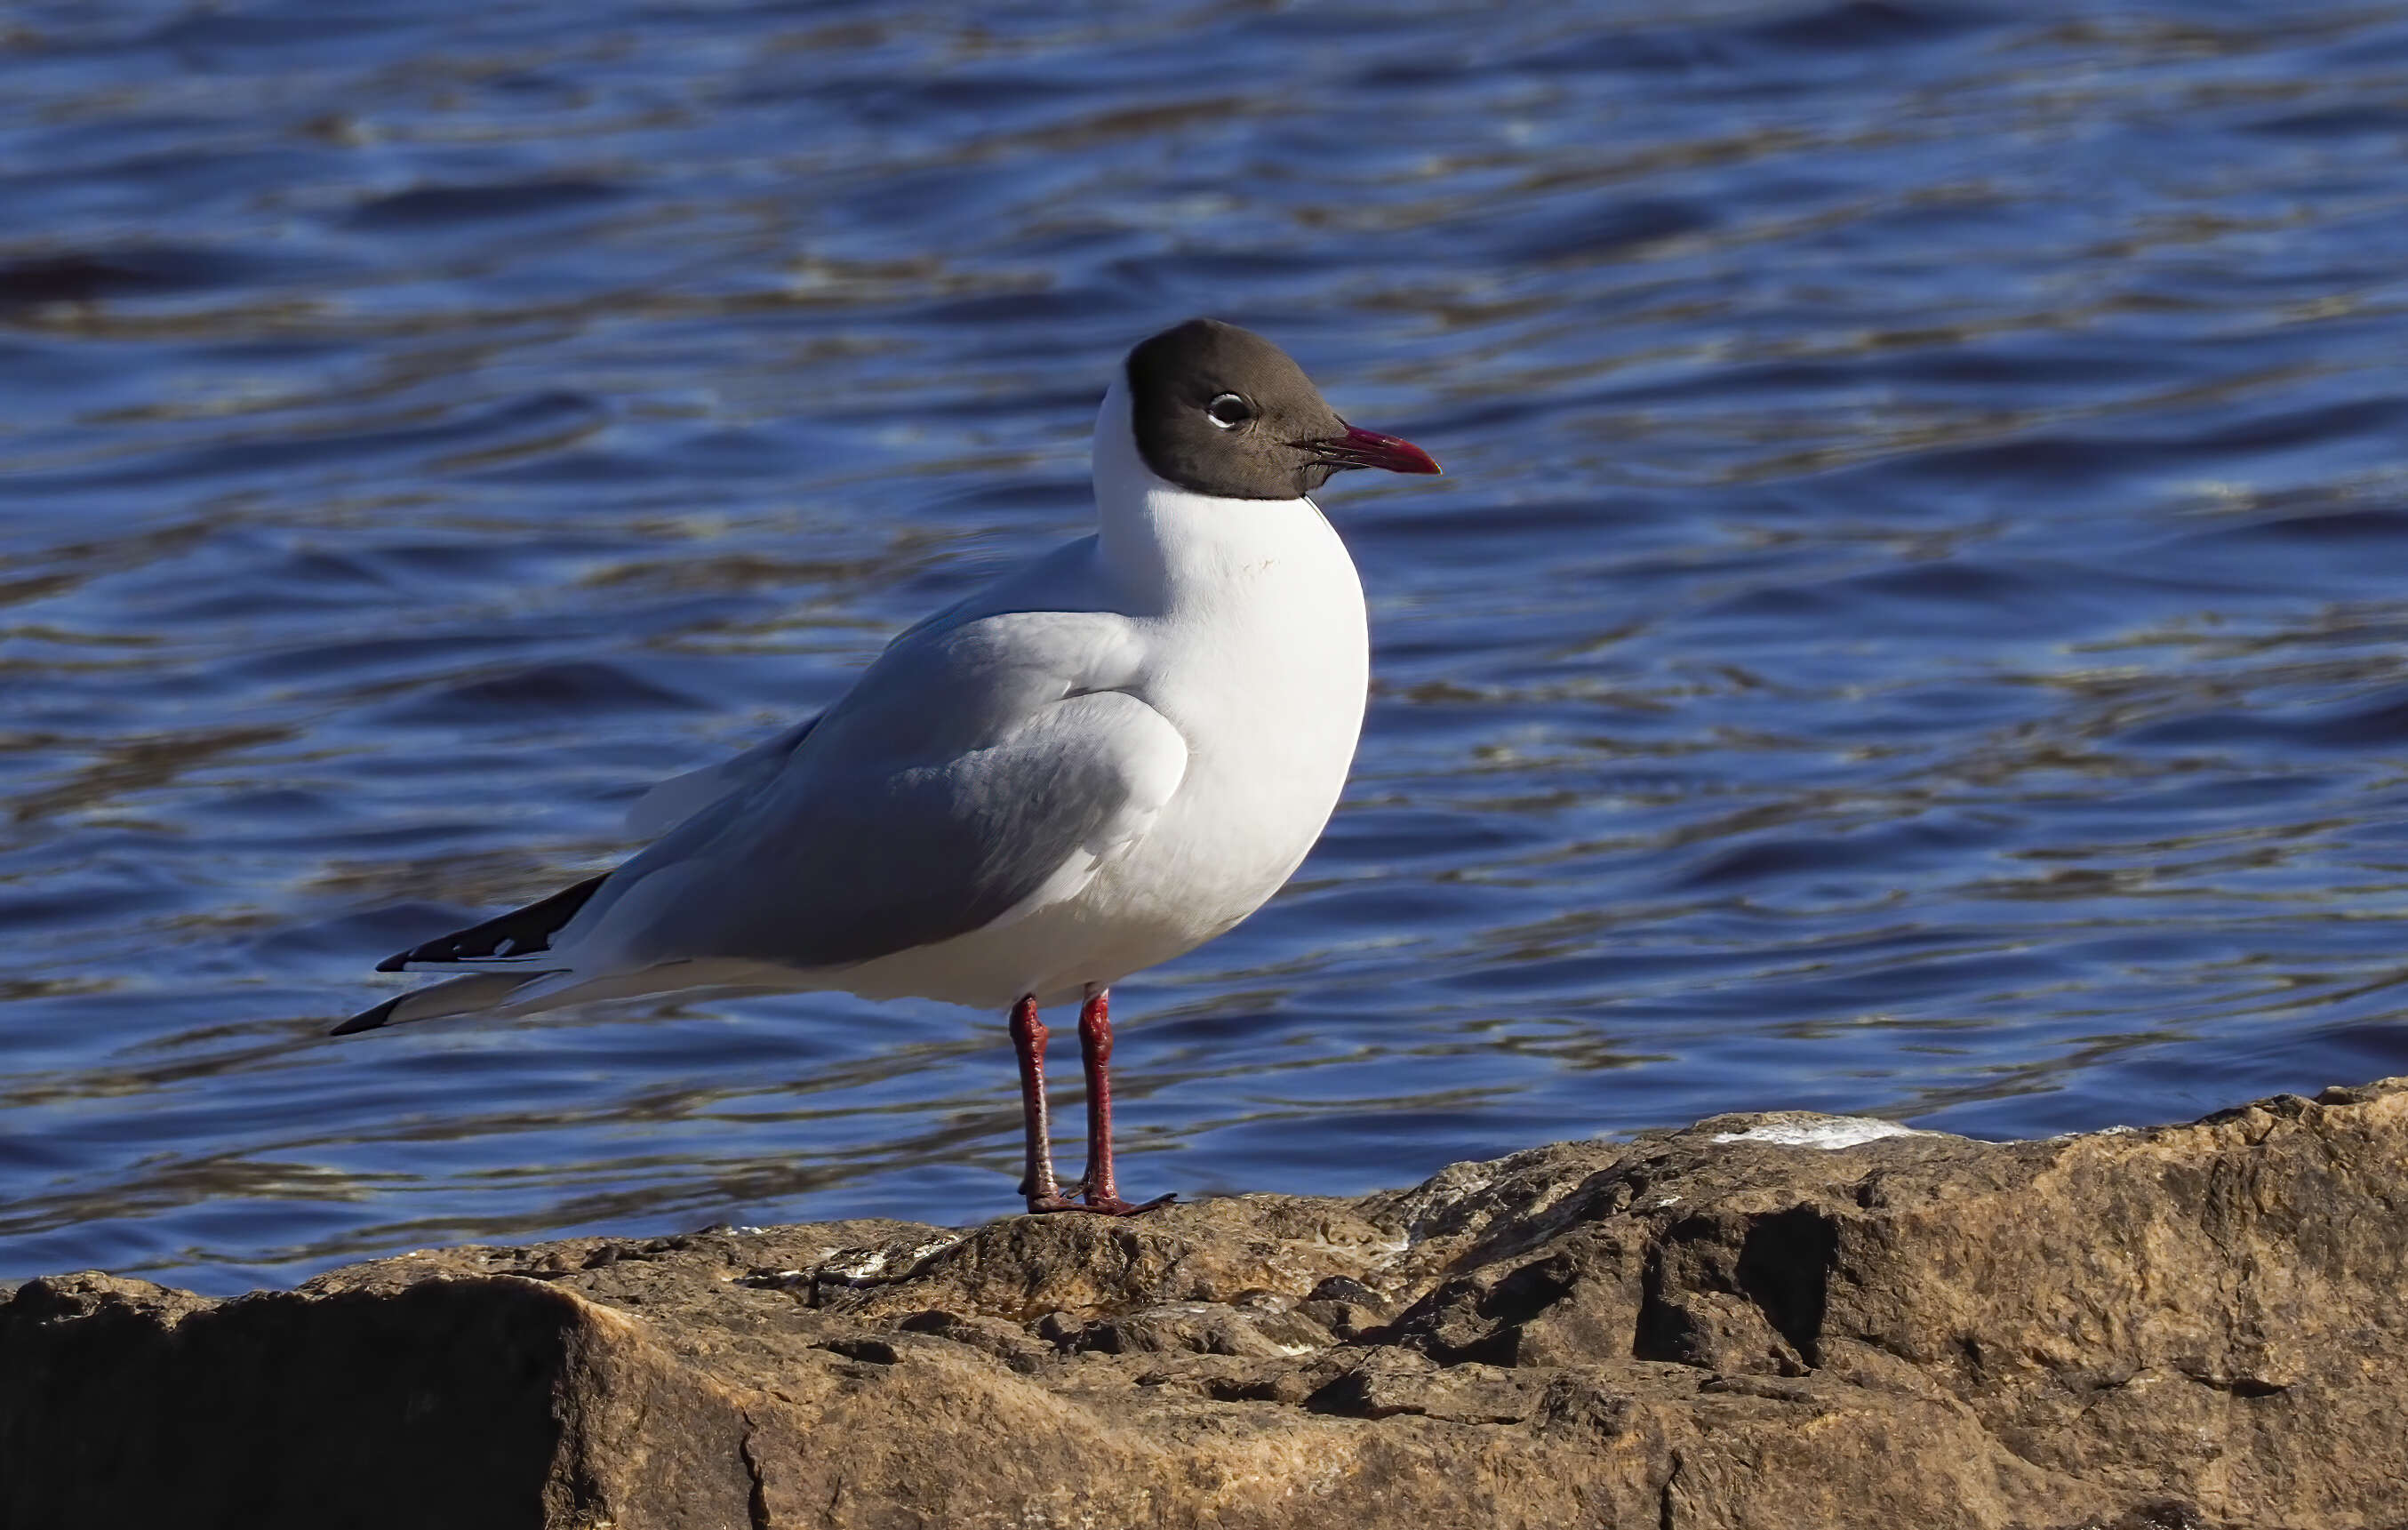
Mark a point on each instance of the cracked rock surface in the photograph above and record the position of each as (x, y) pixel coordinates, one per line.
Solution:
(1780, 1321)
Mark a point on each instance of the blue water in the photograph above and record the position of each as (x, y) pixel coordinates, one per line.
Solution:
(1915, 622)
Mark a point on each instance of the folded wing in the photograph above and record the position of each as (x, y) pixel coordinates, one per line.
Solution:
(680, 797)
(841, 861)
(976, 771)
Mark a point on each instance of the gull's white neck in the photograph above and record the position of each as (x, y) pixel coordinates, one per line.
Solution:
(1164, 545)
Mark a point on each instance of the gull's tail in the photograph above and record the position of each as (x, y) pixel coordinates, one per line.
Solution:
(472, 995)
(519, 942)
(531, 993)
(530, 959)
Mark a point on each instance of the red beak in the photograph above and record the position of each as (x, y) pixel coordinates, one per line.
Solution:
(1360, 448)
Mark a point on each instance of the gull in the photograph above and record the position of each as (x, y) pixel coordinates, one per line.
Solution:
(1098, 762)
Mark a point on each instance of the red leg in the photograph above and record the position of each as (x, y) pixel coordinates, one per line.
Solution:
(1096, 1052)
(1028, 1035)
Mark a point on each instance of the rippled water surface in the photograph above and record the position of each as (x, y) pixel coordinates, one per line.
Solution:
(1915, 622)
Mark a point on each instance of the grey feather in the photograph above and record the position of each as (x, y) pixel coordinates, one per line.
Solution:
(467, 995)
(975, 759)
(680, 797)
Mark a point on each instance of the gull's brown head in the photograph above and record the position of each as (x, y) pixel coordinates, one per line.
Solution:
(1222, 411)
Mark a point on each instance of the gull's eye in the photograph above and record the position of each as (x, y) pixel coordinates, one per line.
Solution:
(1228, 411)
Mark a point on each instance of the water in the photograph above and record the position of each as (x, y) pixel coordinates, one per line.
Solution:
(1915, 622)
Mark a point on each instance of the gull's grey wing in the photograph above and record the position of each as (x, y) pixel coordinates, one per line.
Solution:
(973, 768)
(680, 797)
(834, 867)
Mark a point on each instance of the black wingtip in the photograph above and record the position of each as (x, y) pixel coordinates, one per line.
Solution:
(522, 931)
(369, 1020)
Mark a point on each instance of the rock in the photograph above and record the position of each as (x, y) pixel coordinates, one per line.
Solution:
(1760, 1321)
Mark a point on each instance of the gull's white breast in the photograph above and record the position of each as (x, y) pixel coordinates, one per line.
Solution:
(1248, 634)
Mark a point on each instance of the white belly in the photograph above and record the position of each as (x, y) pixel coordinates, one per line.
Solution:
(1266, 684)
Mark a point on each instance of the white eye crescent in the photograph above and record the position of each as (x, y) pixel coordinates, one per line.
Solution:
(1228, 411)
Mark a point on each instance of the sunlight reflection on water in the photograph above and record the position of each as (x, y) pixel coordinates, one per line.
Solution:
(1911, 624)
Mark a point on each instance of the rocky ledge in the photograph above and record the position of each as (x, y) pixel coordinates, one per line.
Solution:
(1783, 1321)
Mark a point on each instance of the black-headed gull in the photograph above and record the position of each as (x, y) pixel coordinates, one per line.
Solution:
(1098, 762)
